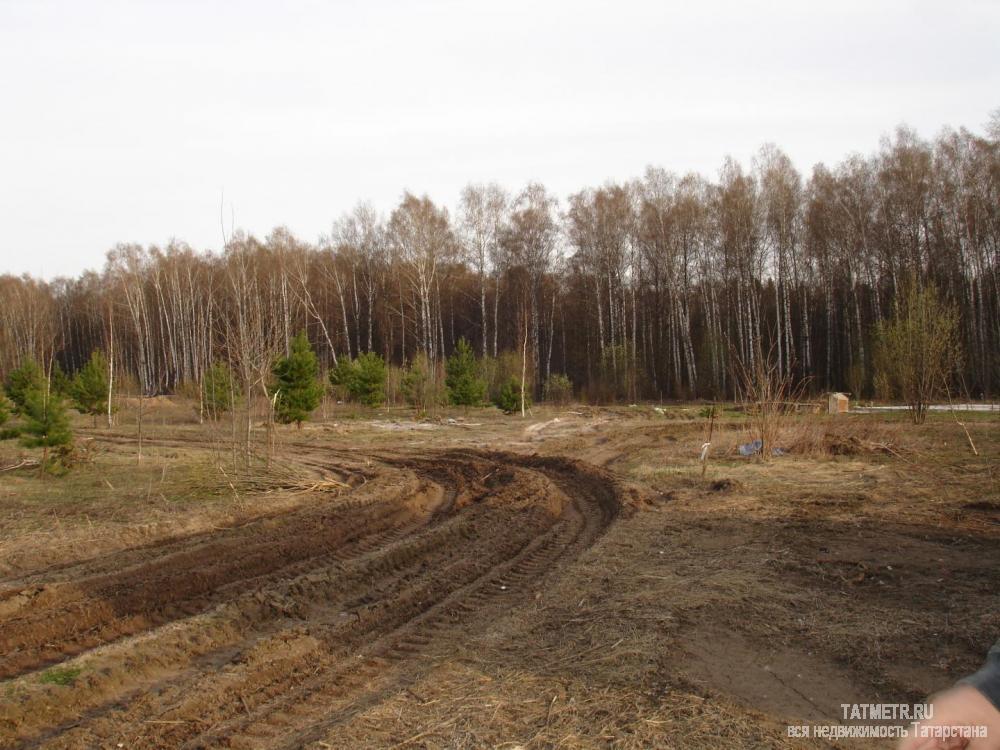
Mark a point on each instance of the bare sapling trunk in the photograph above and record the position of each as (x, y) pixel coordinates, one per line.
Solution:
(524, 363)
(111, 361)
(232, 413)
(272, 400)
(140, 424)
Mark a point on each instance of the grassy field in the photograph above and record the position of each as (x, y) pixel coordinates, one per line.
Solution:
(570, 579)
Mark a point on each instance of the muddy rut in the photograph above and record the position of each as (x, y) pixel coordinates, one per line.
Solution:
(272, 633)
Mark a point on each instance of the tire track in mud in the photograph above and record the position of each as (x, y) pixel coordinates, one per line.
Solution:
(44, 624)
(279, 658)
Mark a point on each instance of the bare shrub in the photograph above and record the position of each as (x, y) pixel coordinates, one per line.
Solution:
(558, 389)
(498, 371)
(394, 385)
(770, 398)
(917, 351)
(422, 384)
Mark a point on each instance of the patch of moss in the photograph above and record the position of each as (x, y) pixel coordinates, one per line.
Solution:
(60, 675)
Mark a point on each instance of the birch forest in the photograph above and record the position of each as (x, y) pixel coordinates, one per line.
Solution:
(647, 289)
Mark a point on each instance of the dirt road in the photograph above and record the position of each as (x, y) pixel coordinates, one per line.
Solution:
(274, 632)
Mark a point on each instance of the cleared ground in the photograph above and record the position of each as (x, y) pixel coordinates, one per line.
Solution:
(568, 580)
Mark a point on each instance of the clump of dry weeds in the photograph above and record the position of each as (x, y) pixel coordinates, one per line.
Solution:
(841, 436)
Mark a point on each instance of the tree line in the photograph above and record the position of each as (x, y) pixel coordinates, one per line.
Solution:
(646, 289)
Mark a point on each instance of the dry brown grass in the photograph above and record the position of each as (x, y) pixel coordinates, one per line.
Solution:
(110, 500)
(859, 566)
(473, 705)
(823, 435)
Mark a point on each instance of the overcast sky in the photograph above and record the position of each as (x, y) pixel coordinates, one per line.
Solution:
(125, 121)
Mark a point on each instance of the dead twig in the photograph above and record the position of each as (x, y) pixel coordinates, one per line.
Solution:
(24, 463)
(426, 732)
(951, 408)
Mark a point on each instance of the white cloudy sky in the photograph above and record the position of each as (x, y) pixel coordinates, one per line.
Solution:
(124, 121)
